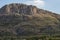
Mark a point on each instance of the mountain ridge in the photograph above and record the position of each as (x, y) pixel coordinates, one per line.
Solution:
(23, 20)
(9, 6)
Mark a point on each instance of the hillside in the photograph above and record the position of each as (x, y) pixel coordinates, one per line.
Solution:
(27, 20)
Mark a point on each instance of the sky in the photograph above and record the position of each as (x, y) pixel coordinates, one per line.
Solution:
(51, 5)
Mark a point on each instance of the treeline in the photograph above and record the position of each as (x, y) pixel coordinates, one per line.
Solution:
(30, 38)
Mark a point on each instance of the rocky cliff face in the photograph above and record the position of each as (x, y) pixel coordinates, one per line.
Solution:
(21, 19)
(18, 8)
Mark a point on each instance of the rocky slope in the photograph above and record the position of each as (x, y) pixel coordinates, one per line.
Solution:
(23, 20)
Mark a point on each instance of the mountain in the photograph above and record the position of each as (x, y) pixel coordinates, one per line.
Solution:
(27, 20)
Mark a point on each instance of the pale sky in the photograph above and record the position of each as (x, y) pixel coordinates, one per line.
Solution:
(51, 5)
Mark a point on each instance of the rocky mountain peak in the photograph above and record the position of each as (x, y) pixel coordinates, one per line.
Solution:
(18, 8)
(31, 21)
